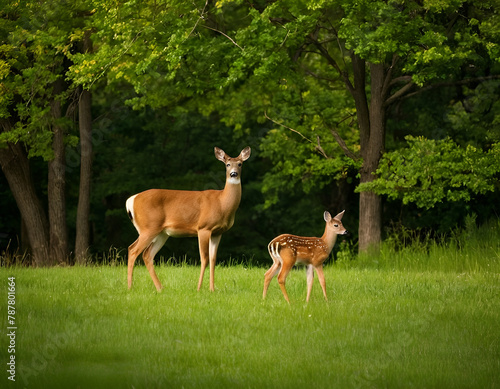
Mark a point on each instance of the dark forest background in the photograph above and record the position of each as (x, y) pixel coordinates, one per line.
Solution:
(142, 92)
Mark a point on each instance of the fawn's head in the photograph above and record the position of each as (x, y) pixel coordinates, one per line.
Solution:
(334, 223)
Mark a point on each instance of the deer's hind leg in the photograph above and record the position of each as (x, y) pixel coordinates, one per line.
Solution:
(310, 277)
(287, 262)
(149, 254)
(141, 244)
(274, 269)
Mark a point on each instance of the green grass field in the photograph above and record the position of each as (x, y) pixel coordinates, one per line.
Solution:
(414, 318)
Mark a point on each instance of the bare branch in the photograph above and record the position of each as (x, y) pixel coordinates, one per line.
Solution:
(200, 18)
(317, 146)
(286, 37)
(227, 36)
(320, 149)
(288, 128)
(343, 145)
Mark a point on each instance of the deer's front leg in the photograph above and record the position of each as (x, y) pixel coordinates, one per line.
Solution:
(321, 278)
(203, 242)
(214, 244)
(310, 277)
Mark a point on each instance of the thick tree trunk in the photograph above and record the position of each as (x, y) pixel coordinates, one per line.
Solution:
(371, 123)
(15, 166)
(370, 222)
(82, 217)
(57, 186)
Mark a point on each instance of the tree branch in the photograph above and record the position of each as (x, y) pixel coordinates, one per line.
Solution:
(227, 36)
(317, 146)
(196, 24)
(348, 153)
(317, 76)
(288, 128)
(399, 94)
(320, 149)
(324, 53)
(388, 76)
(400, 79)
(202, 17)
(452, 83)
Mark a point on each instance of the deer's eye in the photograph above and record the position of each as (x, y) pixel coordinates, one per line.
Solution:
(228, 165)
(335, 225)
(239, 164)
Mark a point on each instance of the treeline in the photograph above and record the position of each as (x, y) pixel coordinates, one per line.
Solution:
(388, 110)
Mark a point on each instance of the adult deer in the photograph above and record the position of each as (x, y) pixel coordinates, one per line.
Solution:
(286, 250)
(158, 214)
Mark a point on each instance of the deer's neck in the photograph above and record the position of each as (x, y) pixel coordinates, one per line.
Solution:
(231, 195)
(329, 237)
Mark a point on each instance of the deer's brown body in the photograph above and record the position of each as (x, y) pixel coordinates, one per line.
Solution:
(158, 214)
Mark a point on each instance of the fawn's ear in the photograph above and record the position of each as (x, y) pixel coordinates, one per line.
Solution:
(339, 216)
(327, 216)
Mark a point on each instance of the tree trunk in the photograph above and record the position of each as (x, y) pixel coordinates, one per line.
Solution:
(85, 125)
(370, 223)
(82, 217)
(371, 123)
(57, 186)
(15, 166)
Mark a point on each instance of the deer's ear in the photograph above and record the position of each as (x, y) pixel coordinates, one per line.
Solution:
(327, 216)
(220, 154)
(339, 216)
(245, 153)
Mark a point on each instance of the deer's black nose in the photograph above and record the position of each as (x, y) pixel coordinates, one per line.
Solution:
(234, 174)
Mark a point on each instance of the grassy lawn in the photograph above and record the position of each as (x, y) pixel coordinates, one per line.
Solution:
(79, 327)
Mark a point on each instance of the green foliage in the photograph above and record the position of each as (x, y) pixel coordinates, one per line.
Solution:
(377, 29)
(138, 44)
(431, 41)
(299, 165)
(476, 119)
(431, 171)
(433, 38)
(36, 41)
(200, 74)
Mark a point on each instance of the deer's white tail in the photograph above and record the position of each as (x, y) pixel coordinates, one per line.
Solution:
(130, 211)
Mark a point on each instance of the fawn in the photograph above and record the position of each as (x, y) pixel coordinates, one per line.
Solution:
(286, 250)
